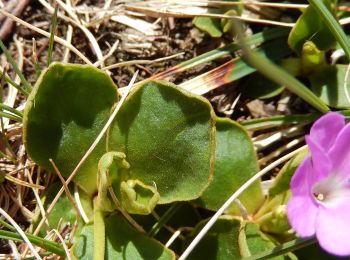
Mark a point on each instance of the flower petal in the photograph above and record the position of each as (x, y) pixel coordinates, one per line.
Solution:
(333, 229)
(301, 208)
(325, 130)
(321, 163)
(340, 153)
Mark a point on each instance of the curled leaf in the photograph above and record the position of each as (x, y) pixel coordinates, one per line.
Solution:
(138, 198)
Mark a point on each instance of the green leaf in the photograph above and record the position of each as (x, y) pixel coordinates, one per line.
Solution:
(64, 113)
(122, 242)
(209, 25)
(310, 26)
(168, 136)
(235, 163)
(328, 85)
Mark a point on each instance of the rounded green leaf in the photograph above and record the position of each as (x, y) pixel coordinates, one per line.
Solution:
(64, 114)
(235, 163)
(122, 242)
(168, 136)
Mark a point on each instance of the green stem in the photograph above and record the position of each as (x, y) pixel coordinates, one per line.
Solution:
(53, 247)
(332, 24)
(99, 231)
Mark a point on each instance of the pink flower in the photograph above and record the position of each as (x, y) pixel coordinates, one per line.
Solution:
(320, 202)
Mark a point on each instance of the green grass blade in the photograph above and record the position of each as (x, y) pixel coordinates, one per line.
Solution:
(14, 84)
(27, 86)
(274, 121)
(332, 24)
(255, 39)
(50, 246)
(283, 249)
(7, 225)
(166, 216)
(52, 37)
(282, 77)
(11, 110)
(10, 116)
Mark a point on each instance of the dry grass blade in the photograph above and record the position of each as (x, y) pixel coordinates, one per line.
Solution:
(66, 189)
(135, 62)
(210, 80)
(75, 21)
(47, 34)
(23, 183)
(180, 13)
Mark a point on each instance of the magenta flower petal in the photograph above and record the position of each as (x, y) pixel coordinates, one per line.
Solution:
(320, 201)
(321, 163)
(301, 208)
(325, 130)
(340, 153)
(333, 228)
(302, 213)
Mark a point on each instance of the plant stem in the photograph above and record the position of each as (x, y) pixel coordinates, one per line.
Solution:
(99, 231)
